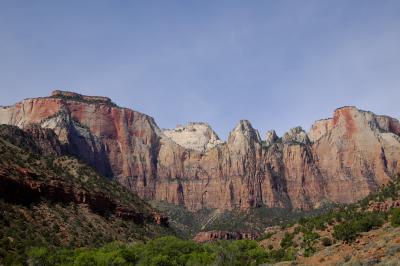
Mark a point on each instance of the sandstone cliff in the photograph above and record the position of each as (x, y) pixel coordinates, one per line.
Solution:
(340, 159)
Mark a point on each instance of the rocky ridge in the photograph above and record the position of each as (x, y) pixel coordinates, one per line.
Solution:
(341, 159)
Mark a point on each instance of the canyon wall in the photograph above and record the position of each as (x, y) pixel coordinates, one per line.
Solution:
(341, 159)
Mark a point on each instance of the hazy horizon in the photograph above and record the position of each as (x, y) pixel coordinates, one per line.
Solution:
(278, 64)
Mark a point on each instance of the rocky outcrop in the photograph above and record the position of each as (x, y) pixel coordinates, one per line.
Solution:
(270, 137)
(33, 138)
(384, 206)
(83, 98)
(341, 159)
(297, 135)
(195, 136)
(320, 128)
(209, 236)
(28, 190)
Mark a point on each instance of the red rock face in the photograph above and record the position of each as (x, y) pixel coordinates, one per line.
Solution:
(357, 154)
(341, 159)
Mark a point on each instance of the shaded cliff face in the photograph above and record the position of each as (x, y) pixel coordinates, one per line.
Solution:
(37, 140)
(341, 159)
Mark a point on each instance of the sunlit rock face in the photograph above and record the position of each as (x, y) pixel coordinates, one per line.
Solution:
(340, 159)
(358, 152)
(195, 136)
(296, 134)
(270, 137)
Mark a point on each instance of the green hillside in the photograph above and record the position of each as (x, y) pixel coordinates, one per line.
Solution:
(60, 202)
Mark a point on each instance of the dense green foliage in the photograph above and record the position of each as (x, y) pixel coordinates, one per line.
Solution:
(361, 222)
(162, 251)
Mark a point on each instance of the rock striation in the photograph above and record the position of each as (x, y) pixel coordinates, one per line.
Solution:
(341, 159)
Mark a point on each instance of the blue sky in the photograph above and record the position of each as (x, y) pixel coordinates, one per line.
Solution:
(279, 64)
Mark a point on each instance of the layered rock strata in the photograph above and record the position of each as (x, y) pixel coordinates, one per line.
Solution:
(341, 159)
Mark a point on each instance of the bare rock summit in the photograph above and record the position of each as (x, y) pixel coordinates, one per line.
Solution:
(196, 136)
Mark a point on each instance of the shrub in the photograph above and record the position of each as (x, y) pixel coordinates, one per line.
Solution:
(310, 237)
(326, 241)
(368, 222)
(363, 222)
(287, 240)
(395, 217)
(309, 250)
(345, 231)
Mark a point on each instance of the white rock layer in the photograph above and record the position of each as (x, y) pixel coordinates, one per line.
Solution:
(195, 136)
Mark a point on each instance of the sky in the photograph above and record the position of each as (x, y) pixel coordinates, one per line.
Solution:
(279, 64)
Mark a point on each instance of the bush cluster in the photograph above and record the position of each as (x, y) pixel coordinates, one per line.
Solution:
(395, 217)
(287, 240)
(361, 222)
(166, 251)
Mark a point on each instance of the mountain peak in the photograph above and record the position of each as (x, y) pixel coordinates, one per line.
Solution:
(244, 131)
(296, 134)
(197, 136)
(270, 137)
